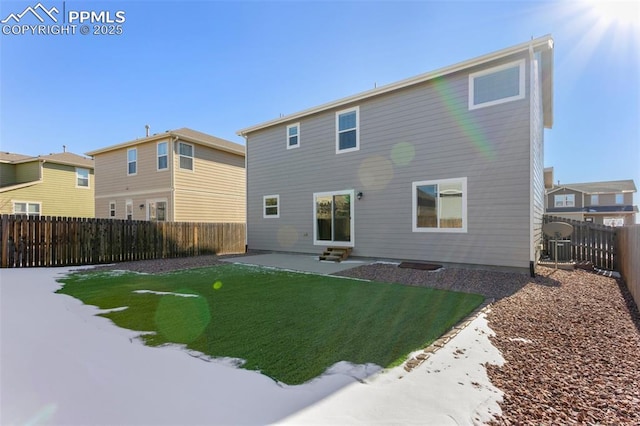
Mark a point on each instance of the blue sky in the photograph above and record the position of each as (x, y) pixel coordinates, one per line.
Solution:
(221, 66)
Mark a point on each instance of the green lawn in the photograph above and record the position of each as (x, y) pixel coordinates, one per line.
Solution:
(290, 326)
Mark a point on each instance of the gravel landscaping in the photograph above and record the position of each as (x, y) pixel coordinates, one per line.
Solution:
(572, 352)
(570, 339)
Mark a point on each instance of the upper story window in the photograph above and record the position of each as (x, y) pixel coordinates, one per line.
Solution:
(564, 200)
(271, 206)
(619, 198)
(132, 161)
(82, 178)
(185, 151)
(293, 135)
(497, 85)
(440, 205)
(112, 209)
(163, 155)
(347, 132)
(595, 199)
(26, 208)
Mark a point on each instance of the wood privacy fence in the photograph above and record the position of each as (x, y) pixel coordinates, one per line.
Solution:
(629, 259)
(63, 241)
(590, 242)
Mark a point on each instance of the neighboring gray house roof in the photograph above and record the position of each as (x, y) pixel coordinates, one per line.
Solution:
(66, 158)
(185, 134)
(543, 44)
(608, 187)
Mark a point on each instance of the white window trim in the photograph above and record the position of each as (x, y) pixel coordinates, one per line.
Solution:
(264, 207)
(338, 114)
(317, 242)
(594, 199)
(296, 125)
(193, 156)
(127, 204)
(521, 86)
(158, 169)
(88, 178)
(115, 211)
(563, 201)
(414, 205)
(156, 201)
(129, 162)
(14, 202)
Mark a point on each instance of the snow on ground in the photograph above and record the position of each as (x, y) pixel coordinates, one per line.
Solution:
(60, 364)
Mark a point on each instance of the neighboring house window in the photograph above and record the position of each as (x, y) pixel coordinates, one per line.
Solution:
(132, 161)
(619, 198)
(293, 135)
(595, 200)
(497, 85)
(186, 155)
(564, 200)
(82, 178)
(129, 209)
(440, 205)
(112, 209)
(163, 156)
(347, 137)
(271, 206)
(158, 210)
(26, 208)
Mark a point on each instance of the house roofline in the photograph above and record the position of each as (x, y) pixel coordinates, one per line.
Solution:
(173, 134)
(541, 43)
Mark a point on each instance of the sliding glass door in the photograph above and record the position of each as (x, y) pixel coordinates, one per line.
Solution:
(333, 218)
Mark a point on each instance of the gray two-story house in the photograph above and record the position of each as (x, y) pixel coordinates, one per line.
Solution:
(445, 167)
(606, 203)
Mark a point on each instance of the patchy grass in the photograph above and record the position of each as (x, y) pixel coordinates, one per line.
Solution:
(290, 326)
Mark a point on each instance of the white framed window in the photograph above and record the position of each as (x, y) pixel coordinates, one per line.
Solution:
(497, 85)
(271, 206)
(613, 221)
(162, 150)
(157, 210)
(132, 161)
(333, 218)
(128, 210)
(82, 178)
(347, 130)
(293, 135)
(440, 205)
(564, 200)
(595, 199)
(619, 198)
(112, 209)
(185, 152)
(29, 208)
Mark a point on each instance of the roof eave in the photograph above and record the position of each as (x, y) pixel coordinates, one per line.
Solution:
(161, 136)
(544, 42)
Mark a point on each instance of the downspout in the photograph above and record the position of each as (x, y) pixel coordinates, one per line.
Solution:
(532, 249)
(172, 142)
(246, 192)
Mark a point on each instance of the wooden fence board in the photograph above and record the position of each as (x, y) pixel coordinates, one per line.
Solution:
(61, 241)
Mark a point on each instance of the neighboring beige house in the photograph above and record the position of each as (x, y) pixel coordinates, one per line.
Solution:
(606, 203)
(47, 185)
(177, 176)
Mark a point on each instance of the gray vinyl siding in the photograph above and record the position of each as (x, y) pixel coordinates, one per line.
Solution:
(489, 146)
